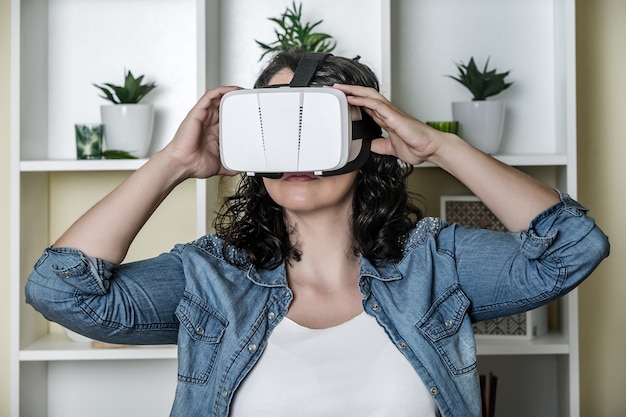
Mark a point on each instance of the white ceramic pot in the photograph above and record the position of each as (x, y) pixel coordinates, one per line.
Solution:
(480, 123)
(128, 127)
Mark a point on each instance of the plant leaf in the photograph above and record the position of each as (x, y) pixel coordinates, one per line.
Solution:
(132, 91)
(481, 84)
(293, 34)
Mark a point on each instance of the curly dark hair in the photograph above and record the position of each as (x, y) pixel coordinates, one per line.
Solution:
(383, 213)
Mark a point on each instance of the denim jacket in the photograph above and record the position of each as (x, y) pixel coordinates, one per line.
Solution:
(221, 314)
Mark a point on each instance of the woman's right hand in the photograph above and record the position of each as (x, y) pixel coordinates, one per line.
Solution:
(195, 146)
(108, 228)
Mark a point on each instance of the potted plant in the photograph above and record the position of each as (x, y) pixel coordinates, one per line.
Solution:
(127, 123)
(481, 121)
(294, 34)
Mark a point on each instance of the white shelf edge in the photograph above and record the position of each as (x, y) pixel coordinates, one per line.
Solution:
(81, 165)
(57, 347)
(550, 344)
(133, 164)
(522, 160)
(533, 159)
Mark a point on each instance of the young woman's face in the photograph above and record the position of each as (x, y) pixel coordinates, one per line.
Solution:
(304, 191)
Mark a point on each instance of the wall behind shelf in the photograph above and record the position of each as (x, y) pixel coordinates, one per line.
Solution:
(173, 222)
(427, 184)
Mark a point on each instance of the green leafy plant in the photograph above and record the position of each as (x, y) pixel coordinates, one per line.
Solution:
(115, 154)
(293, 34)
(481, 84)
(131, 93)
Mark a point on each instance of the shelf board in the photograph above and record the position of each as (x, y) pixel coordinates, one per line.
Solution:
(133, 164)
(550, 344)
(60, 165)
(533, 159)
(57, 347)
(522, 160)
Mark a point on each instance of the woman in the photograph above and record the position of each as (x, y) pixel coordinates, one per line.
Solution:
(319, 295)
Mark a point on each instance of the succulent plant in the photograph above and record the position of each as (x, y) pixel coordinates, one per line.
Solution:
(296, 35)
(131, 93)
(481, 84)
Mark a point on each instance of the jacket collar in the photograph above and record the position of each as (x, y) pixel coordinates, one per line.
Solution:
(277, 277)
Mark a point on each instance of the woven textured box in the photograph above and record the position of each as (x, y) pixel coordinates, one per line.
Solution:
(470, 211)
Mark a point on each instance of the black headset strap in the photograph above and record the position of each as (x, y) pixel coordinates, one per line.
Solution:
(307, 67)
(366, 128)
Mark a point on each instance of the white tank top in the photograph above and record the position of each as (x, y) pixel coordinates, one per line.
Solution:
(351, 369)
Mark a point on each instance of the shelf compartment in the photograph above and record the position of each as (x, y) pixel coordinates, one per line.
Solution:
(429, 37)
(67, 45)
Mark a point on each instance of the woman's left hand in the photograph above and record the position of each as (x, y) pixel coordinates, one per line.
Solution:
(514, 197)
(409, 139)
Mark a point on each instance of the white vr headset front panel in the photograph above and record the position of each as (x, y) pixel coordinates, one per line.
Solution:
(285, 129)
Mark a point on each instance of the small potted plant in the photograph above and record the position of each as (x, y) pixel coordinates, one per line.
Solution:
(127, 123)
(294, 34)
(481, 121)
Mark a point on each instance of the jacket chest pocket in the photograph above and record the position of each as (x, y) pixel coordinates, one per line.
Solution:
(448, 328)
(199, 339)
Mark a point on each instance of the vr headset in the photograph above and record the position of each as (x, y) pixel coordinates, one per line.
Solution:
(294, 128)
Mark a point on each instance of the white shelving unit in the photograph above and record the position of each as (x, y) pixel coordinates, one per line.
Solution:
(59, 48)
(536, 40)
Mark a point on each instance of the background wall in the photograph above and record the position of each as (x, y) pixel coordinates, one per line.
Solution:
(601, 151)
(602, 148)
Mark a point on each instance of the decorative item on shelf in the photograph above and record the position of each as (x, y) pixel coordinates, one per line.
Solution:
(470, 211)
(88, 140)
(488, 389)
(297, 35)
(127, 123)
(481, 121)
(451, 126)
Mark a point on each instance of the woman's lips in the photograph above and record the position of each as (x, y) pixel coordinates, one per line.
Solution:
(299, 177)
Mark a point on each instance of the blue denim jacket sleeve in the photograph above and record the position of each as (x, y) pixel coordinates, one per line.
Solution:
(132, 303)
(507, 273)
